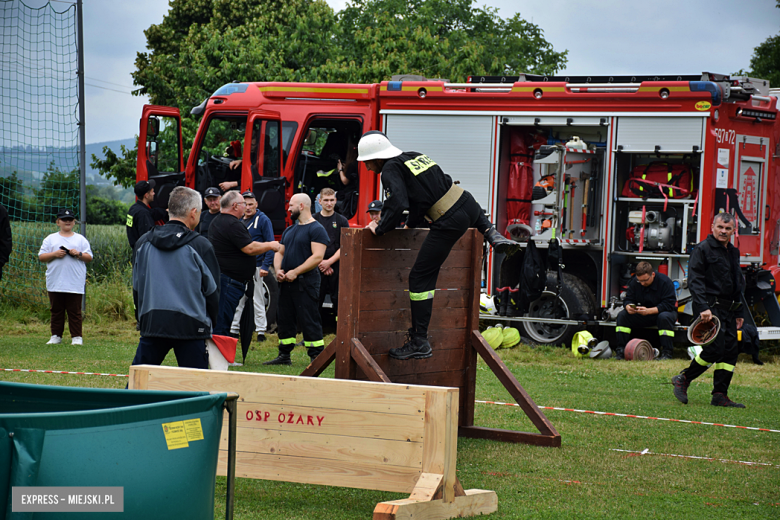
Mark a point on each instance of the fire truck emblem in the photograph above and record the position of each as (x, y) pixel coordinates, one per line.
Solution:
(702, 106)
(749, 195)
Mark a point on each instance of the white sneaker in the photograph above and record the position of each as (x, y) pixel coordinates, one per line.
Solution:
(55, 340)
(77, 341)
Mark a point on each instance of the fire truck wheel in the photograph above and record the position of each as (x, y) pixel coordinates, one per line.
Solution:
(576, 301)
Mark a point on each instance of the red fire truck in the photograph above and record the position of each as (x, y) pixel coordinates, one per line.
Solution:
(572, 158)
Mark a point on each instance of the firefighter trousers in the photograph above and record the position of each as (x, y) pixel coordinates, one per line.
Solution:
(298, 305)
(665, 321)
(434, 252)
(722, 354)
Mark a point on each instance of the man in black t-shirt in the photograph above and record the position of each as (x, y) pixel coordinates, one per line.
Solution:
(329, 267)
(212, 198)
(302, 249)
(236, 254)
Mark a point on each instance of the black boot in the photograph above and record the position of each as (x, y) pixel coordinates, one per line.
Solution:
(314, 352)
(416, 347)
(283, 358)
(719, 399)
(666, 354)
(619, 353)
(500, 243)
(681, 383)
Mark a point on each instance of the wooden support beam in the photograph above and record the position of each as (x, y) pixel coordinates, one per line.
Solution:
(367, 363)
(322, 361)
(495, 434)
(474, 502)
(427, 486)
(513, 386)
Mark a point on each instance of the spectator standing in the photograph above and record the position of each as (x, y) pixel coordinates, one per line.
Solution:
(302, 249)
(6, 241)
(375, 211)
(212, 198)
(650, 301)
(261, 230)
(235, 252)
(716, 283)
(141, 218)
(175, 286)
(66, 253)
(329, 267)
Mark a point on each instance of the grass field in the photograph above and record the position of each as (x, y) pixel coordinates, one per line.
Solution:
(586, 478)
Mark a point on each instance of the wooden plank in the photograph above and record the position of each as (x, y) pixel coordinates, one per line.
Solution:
(139, 379)
(427, 486)
(398, 277)
(350, 284)
(434, 434)
(322, 361)
(327, 447)
(468, 393)
(495, 434)
(392, 258)
(294, 390)
(405, 239)
(450, 448)
(378, 343)
(330, 421)
(401, 319)
(308, 470)
(451, 359)
(367, 363)
(399, 299)
(453, 379)
(513, 386)
(475, 502)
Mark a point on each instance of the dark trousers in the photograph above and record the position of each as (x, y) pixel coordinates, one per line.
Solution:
(663, 320)
(329, 284)
(434, 252)
(298, 305)
(722, 354)
(190, 353)
(60, 304)
(230, 292)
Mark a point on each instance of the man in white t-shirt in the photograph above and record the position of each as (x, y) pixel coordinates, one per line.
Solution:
(66, 254)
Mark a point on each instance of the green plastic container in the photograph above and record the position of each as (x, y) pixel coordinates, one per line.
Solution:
(63, 436)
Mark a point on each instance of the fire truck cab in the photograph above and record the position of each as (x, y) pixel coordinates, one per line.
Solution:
(571, 159)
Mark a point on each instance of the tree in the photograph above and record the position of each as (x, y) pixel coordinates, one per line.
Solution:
(58, 190)
(765, 62)
(121, 167)
(103, 210)
(12, 196)
(204, 44)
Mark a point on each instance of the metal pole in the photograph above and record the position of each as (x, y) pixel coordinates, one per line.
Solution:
(231, 403)
(82, 132)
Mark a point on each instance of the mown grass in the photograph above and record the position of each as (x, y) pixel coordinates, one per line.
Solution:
(585, 478)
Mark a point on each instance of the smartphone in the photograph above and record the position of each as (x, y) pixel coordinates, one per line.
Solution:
(631, 306)
(67, 251)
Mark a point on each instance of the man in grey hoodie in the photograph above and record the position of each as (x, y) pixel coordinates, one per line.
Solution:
(176, 286)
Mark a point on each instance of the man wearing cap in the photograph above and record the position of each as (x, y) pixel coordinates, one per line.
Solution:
(261, 230)
(212, 198)
(140, 218)
(413, 181)
(716, 283)
(235, 250)
(329, 267)
(375, 211)
(650, 301)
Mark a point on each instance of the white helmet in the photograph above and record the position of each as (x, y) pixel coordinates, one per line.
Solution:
(601, 351)
(376, 145)
(486, 304)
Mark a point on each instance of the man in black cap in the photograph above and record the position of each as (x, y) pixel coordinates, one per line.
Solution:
(212, 198)
(375, 210)
(140, 218)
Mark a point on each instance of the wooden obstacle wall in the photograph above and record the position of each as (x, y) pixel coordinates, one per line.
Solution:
(374, 315)
(387, 437)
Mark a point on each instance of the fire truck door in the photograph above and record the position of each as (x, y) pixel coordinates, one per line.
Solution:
(263, 157)
(160, 146)
(750, 182)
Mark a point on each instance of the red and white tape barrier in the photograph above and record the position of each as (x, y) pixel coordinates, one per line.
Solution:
(637, 416)
(60, 372)
(646, 451)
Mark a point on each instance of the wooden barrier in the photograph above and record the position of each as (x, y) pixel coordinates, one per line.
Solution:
(358, 434)
(374, 315)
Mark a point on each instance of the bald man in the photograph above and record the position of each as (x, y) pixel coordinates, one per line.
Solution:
(301, 251)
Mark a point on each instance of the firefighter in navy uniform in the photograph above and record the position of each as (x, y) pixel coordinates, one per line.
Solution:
(650, 300)
(413, 181)
(716, 284)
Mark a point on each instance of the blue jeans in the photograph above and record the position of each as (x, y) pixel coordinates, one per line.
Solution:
(230, 292)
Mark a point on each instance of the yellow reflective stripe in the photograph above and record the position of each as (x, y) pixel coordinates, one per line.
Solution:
(287, 341)
(723, 366)
(739, 335)
(420, 296)
(700, 361)
(662, 332)
(627, 330)
(419, 164)
(325, 174)
(318, 343)
(129, 222)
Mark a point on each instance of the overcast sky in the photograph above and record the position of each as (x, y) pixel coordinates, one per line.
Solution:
(603, 37)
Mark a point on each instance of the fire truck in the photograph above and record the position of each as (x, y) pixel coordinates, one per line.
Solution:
(574, 160)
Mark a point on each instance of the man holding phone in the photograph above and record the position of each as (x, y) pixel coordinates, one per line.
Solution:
(650, 301)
